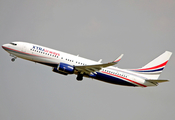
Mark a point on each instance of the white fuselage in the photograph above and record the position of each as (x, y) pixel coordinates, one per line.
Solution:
(53, 58)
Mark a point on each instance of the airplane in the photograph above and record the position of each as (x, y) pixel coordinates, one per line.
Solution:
(66, 64)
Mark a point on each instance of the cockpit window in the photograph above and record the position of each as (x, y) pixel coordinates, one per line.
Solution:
(13, 43)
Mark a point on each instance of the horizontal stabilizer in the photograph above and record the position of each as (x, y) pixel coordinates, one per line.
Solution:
(157, 81)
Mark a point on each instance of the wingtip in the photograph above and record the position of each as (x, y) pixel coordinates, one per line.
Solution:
(119, 58)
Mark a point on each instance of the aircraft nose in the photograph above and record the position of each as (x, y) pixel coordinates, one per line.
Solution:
(4, 46)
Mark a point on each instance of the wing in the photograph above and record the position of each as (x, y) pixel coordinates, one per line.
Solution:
(88, 69)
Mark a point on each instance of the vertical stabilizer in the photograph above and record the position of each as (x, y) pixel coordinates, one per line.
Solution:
(153, 69)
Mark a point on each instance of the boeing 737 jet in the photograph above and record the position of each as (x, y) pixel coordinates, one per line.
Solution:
(65, 64)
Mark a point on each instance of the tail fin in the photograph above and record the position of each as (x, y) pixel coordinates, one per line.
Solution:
(153, 69)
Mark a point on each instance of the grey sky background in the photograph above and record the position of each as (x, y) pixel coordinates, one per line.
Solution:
(141, 30)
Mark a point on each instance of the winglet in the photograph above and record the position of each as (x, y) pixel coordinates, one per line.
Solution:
(118, 59)
(88, 69)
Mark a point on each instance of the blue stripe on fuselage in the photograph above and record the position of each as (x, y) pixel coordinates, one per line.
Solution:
(111, 79)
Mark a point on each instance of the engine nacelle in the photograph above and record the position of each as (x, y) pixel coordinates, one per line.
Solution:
(64, 68)
(57, 71)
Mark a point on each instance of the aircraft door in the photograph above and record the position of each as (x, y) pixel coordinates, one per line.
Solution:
(23, 48)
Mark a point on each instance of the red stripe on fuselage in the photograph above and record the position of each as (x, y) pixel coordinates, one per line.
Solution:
(125, 79)
(26, 53)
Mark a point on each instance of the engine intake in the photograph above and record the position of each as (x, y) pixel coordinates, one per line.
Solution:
(57, 71)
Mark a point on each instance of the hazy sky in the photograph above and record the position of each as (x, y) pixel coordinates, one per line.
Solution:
(94, 29)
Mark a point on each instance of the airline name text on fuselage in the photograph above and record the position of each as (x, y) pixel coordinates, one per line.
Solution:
(45, 50)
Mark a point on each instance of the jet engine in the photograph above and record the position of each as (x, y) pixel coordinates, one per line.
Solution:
(64, 69)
